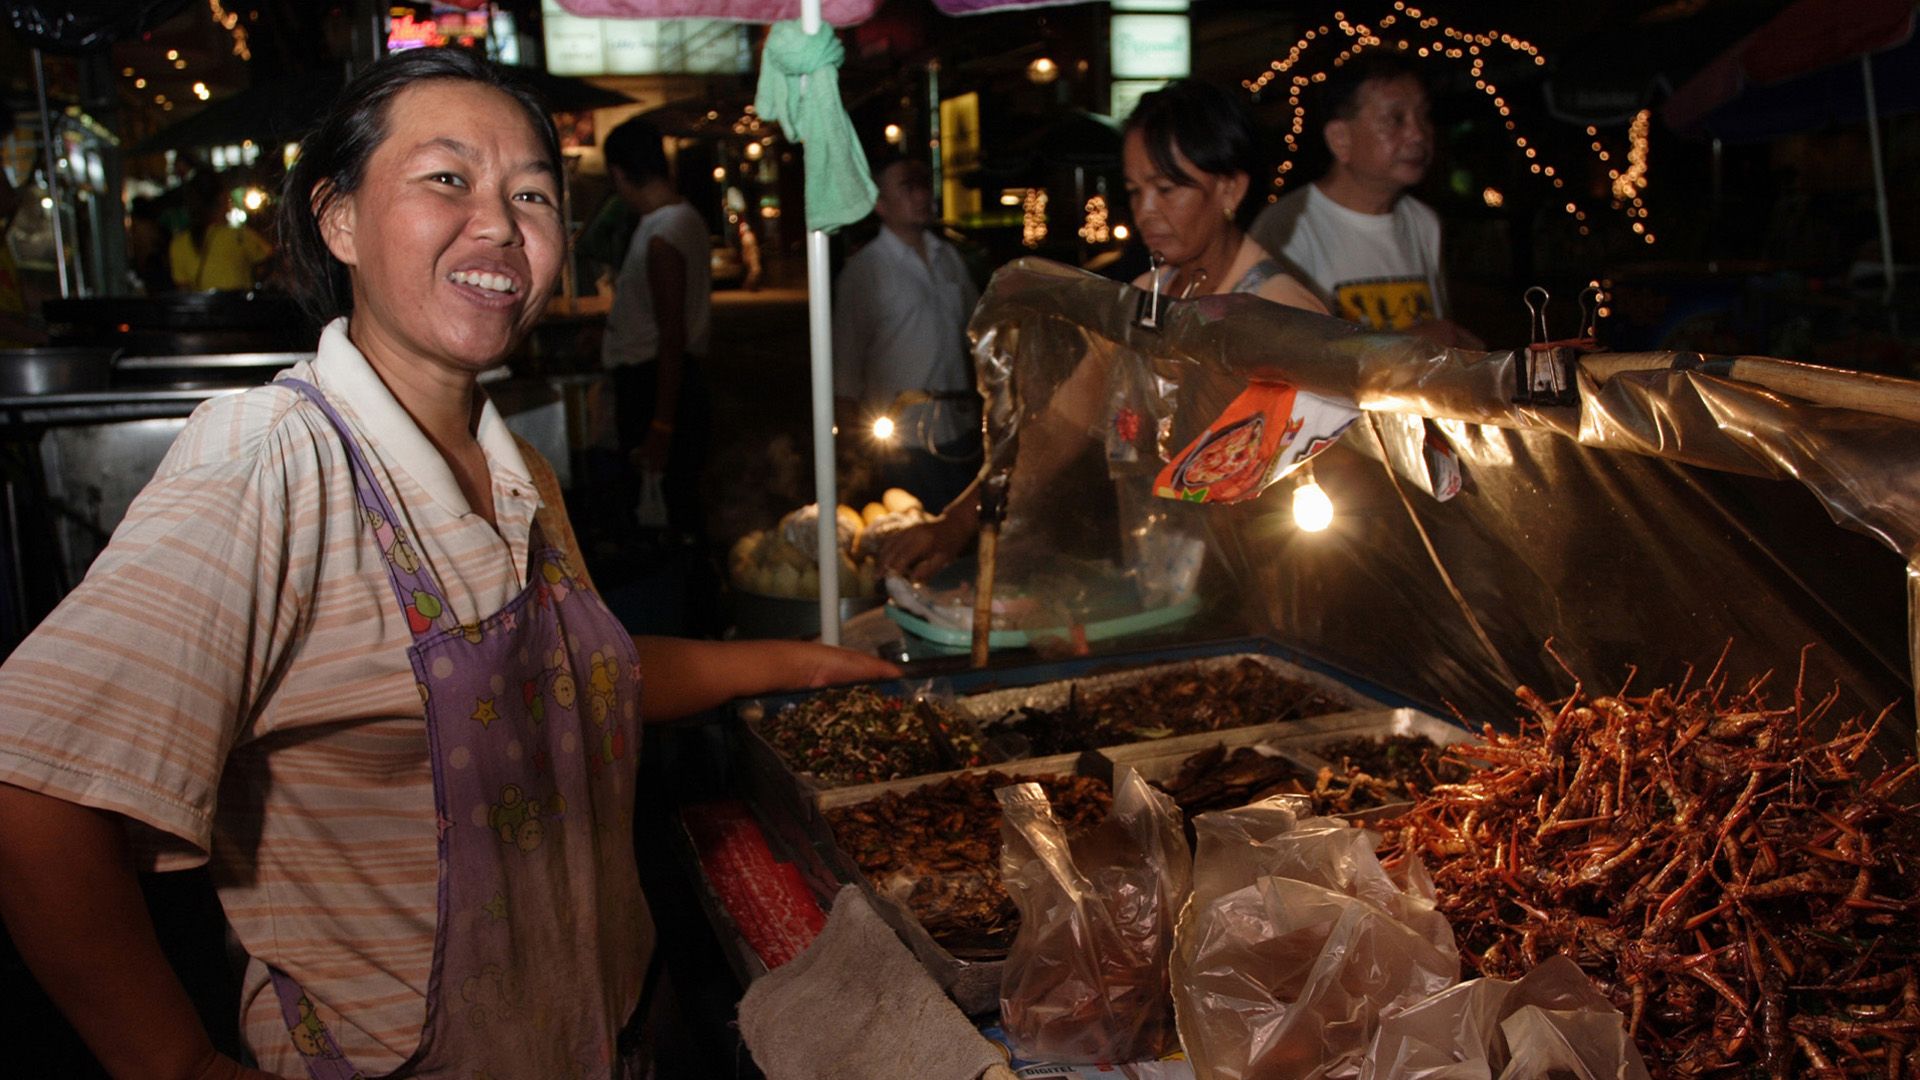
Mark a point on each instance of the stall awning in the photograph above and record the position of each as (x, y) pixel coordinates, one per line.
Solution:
(1759, 88)
(837, 12)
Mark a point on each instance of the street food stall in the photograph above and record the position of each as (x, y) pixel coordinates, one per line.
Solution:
(1580, 737)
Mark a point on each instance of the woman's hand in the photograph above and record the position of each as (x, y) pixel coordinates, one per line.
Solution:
(919, 551)
(810, 665)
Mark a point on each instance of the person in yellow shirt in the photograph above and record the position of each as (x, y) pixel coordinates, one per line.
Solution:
(211, 254)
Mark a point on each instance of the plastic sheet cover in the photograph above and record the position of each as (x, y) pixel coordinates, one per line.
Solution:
(1295, 943)
(1685, 506)
(1086, 978)
(1551, 1022)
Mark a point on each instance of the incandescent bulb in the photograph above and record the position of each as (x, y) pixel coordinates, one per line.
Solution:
(883, 428)
(1312, 510)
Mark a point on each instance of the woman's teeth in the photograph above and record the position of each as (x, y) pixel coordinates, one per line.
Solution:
(490, 282)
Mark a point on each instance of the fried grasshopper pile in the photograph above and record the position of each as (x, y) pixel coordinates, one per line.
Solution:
(1741, 878)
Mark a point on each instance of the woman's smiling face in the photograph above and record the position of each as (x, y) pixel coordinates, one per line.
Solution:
(453, 237)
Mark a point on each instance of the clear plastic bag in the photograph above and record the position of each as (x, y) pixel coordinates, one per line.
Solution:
(1086, 979)
(1552, 1022)
(1294, 943)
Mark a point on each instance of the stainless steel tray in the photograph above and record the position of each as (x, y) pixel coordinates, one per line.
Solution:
(1295, 740)
(973, 983)
(994, 704)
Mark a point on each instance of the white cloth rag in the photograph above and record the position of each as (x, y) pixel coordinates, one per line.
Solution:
(856, 1005)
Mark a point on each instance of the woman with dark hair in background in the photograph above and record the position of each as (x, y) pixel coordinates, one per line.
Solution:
(342, 651)
(211, 254)
(1190, 155)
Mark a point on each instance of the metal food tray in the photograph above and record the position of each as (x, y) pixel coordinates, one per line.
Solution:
(986, 694)
(801, 793)
(987, 707)
(1294, 740)
(974, 984)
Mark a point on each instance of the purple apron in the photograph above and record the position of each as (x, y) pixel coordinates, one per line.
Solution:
(532, 724)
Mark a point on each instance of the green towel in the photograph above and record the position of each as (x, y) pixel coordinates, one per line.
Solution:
(839, 191)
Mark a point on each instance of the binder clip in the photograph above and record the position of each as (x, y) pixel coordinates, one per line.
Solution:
(1147, 313)
(1546, 371)
(1147, 310)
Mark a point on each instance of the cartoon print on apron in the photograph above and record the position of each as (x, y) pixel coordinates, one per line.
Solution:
(532, 728)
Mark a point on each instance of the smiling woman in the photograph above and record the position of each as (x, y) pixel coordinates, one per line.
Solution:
(342, 650)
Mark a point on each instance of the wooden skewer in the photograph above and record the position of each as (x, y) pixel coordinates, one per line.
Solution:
(993, 510)
(983, 593)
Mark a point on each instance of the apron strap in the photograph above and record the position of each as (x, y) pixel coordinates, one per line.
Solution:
(413, 584)
(311, 1036)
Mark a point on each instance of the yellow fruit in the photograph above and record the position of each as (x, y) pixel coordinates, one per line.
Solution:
(850, 518)
(899, 500)
(784, 581)
(743, 548)
(870, 511)
(785, 554)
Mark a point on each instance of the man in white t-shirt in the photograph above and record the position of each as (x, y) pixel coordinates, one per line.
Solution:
(1368, 247)
(658, 326)
(900, 315)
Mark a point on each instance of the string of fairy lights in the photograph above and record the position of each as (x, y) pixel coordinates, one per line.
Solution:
(230, 22)
(1407, 29)
(222, 18)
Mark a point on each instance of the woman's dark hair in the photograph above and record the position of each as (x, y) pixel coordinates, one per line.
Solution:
(637, 147)
(333, 162)
(1207, 124)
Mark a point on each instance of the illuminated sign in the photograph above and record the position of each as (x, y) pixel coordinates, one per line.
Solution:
(581, 46)
(1151, 47)
(447, 26)
(959, 155)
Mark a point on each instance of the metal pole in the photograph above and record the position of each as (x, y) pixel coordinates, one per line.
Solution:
(53, 175)
(933, 141)
(1879, 177)
(820, 338)
(1713, 206)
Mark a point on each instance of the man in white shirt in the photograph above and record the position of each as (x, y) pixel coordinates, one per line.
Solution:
(899, 328)
(659, 325)
(1371, 249)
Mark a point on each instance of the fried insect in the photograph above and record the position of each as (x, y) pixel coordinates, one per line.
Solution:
(1176, 703)
(859, 736)
(1732, 873)
(937, 849)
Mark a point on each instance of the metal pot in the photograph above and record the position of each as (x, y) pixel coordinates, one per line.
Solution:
(54, 370)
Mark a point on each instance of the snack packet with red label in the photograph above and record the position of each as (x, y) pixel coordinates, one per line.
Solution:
(1260, 435)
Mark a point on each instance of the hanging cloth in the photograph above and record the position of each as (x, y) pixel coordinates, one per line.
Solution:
(839, 191)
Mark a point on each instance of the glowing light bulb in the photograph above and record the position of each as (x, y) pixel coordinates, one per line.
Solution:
(883, 429)
(1312, 510)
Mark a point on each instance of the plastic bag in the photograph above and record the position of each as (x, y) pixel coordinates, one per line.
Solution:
(1086, 979)
(1294, 943)
(652, 510)
(1554, 1021)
